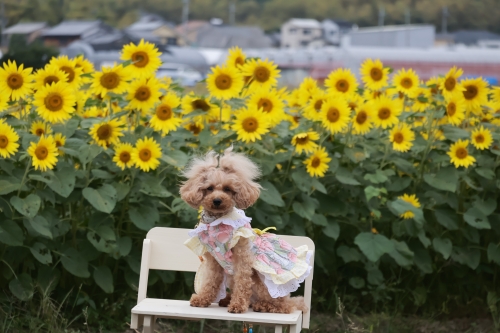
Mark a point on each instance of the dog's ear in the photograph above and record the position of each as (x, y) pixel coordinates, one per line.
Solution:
(195, 172)
(247, 192)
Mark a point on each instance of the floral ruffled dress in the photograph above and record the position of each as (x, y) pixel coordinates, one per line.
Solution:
(280, 266)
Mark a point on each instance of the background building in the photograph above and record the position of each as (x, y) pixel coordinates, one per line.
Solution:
(299, 33)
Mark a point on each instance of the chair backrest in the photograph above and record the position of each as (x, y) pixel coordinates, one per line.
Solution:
(164, 249)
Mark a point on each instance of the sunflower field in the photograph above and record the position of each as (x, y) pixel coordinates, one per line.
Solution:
(396, 180)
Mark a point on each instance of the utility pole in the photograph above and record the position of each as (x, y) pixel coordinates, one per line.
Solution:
(185, 12)
(3, 25)
(444, 22)
(232, 12)
(381, 15)
(407, 16)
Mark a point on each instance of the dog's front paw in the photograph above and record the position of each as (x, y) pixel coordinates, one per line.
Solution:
(237, 308)
(225, 301)
(199, 302)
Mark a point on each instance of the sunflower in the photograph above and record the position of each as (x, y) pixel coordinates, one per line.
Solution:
(421, 99)
(386, 112)
(95, 112)
(481, 138)
(145, 58)
(475, 93)
(306, 89)
(165, 82)
(86, 66)
(455, 109)
(261, 73)
(354, 101)
(317, 163)
(60, 141)
(495, 91)
(110, 79)
(373, 74)
(48, 75)
(494, 111)
(406, 81)
(123, 155)
(44, 153)
(335, 114)
(449, 84)
(15, 81)
(369, 95)
(8, 140)
(269, 102)
(224, 82)
(293, 99)
(69, 67)
(362, 121)
(144, 94)
(312, 110)
(413, 200)
(192, 103)
(250, 125)
(236, 57)
(39, 128)
(341, 82)
(165, 119)
(402, 138)
(305, 142)
(146, 155)
(433, 85)
(106, 133)
(459, 155)
(293, 118)
(194, 127)
(55, 103)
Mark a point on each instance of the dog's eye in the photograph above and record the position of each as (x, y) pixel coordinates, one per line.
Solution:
(227, 189)
(210, 188)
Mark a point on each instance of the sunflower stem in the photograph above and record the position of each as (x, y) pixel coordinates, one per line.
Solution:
(24, 176)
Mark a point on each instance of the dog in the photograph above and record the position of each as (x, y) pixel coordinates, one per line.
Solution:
(236, 257)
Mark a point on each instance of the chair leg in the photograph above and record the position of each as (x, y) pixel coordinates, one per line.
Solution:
(134, 321)
(149, 324)
(278, 329)
(294, 329)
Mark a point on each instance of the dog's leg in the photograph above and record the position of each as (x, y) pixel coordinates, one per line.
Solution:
(242, 292)
(211, 286)
(265, 303)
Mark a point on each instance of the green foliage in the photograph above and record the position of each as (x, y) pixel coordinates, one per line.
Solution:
(34, 55)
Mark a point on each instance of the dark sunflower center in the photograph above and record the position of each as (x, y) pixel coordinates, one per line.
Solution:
(15, 81)
(401, 95)
(41, 152)
(39, 131)
(104, 132)
(110, 80)
(140, 59)
(318, 105)
(398, 137)
(142, 94)
(384, 113)
(361, 117)
(223, 82)
(406, 83)
(58, 143)
(163, 112)
(315, 162)
(239, 61)
(70, 71)
(250, 124)
(451, 109)
(53, 102)
(376, 74)
(145, 155)
(302, 140)
(4, 141)
(195, 129)
(471, 92)
(333, 115)
(377, 94)
(352, 106)
(434, 91)
(200, 104)
(265, 104)
(261, 74)
(125, 156)
(479, 138)
(450, 83)
(342, 85)
(50, 79)
(461, 153)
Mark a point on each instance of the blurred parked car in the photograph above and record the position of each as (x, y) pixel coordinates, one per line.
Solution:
(183, 74)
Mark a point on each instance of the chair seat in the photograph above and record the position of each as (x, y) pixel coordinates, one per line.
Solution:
(182, 309)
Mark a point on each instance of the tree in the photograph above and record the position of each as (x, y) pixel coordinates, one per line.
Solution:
(34, 55)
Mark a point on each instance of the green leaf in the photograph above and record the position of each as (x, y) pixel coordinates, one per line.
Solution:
(302, 180)
(356, 155)
(375, 276)
(318, 186)
(446, 179)
(22, 287)
(401, 253)
(101, 174)
(304, 210)
(454, 133)
(87, 153)
(103, 239)
(103, 199)
(447, 218)
(398, 184)
(494, 253)
(349, 254)
(75, 263)
(40, 224)
(443, 246)
(357, 282)
(270, 195)
(345, 177)
(464, 256)
(319, 219)
(28, 206)
(104, 278)
(332, 230)
(152, 187)
(422, 260)
(377, 178)
(7, 187)
(177, 158)
(124, 245)
(10, 233)
(485, 173)
(122, 190)
(487, 207)
(41, 253)
(373, 245)
(399, 207)
(475, 218)
(371, 192)
(144, 217)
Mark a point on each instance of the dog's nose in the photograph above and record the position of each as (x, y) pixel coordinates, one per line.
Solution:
(217, 202)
